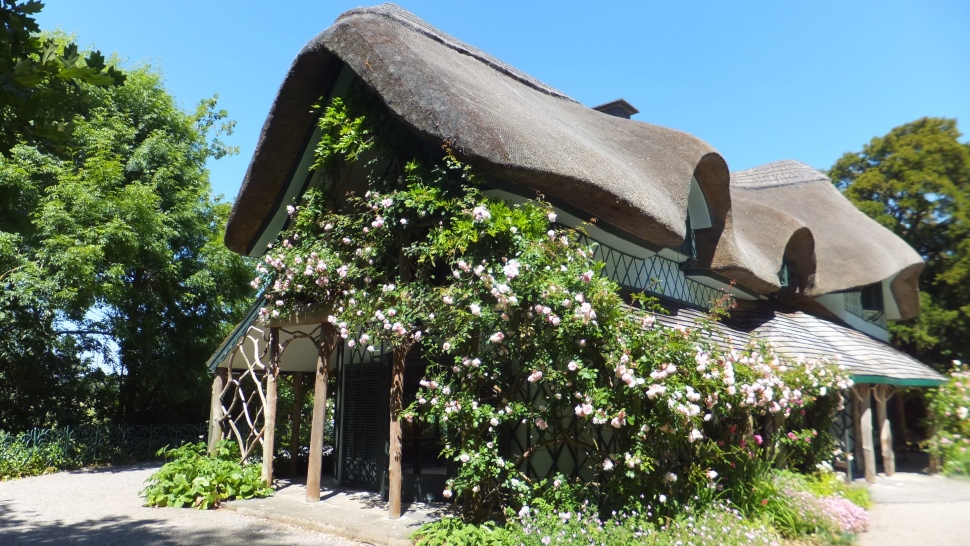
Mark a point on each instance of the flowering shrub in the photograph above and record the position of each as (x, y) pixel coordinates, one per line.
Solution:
(526, 342)
(796, 511)
(950, 415)
(583, 527)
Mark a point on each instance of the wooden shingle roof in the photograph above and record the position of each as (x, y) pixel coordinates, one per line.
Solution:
(794, 333)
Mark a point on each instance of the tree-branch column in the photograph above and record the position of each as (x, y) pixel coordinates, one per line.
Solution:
(269, 420)
(325, 348)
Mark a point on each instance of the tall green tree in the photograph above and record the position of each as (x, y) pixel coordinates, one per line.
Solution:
(42, 78)
(916, 182)
(112, 255)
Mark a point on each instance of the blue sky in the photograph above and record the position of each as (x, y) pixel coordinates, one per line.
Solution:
(759, 81)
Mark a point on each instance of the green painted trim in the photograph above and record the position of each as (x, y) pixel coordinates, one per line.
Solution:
(908, 382)
(230, 342)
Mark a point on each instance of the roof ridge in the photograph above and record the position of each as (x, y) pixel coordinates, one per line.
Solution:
(405, 18)
(785, 172)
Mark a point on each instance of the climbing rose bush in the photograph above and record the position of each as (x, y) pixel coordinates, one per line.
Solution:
(950, 415)
(544, 378)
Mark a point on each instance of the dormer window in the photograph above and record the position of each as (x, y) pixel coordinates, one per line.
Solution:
(867, 304)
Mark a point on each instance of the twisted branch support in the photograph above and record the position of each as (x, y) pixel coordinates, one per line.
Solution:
(882, 394)
(861, 394)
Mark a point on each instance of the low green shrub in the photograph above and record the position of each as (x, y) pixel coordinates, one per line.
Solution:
(45, 450)
(452, 531)
(20, 458)
(193, 478)
(829, 484)
(718, 525)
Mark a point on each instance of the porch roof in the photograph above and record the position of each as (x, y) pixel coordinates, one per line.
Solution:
(795, 333)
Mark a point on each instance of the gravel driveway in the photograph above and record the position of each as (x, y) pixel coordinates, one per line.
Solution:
(102, 507)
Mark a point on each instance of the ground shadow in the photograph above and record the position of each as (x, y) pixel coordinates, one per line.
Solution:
(18, 528)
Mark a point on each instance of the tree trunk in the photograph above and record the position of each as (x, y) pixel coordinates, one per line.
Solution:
(856, 429)
(215, 408)
(269, 420)
(394, 453)
(324, 350)
(295, 416)
(899, 401)
(882, 394)
(865, 430)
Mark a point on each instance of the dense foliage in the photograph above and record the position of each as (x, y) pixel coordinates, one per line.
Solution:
(194, 478)
(526, 339)
(950, 418)
(114, 283)
(41, 79)
(915, 181)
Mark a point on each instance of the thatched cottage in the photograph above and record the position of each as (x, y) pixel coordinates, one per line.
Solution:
(811, 273)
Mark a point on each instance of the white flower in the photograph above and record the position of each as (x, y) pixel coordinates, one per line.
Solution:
(446, 493)
(670, 477)
(464, 457)
(524, 511)
(695, 435)
(476, 309)
(511, 269)
(572, 366)
(493, 422)
(480, 214)
(587, 276)
(711, 474)
(608, 464)
(662, 498)
(497, 337)
(551, 216)
(541, 423)
(535, 376)
(446, 346)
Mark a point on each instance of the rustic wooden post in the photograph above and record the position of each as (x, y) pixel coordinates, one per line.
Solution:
(325, 348)
(295, 420)
(865, 431)
(394, 453)
(215, 408)
(882, 394)
(899, 401)
(269, 419)
(856, 429)
(934, 463)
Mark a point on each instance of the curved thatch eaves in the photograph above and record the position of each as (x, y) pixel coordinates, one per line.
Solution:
(757, 263)
(851, 250)
(633, 175)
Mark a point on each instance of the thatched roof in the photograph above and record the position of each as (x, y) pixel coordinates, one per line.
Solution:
(509, 126)
(794, 333)
(632, 175)
(789, 209)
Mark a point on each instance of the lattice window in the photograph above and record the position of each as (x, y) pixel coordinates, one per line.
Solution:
(655, 275)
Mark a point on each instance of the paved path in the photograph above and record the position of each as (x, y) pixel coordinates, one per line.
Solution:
(914, 509)
(101, 507)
